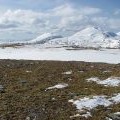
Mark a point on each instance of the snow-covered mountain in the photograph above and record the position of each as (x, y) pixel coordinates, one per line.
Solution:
(44, 38)
(89, 37)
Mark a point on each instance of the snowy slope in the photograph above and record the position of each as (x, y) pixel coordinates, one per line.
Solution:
(89, 37)
(44, 38)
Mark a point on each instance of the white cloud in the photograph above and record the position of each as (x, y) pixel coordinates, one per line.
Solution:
(64, 10)
(22, 18)
(90, 10)
(62, 18)
(71, 17)
(117, 12)
(106, 22)
(114, 23)
(62, 14)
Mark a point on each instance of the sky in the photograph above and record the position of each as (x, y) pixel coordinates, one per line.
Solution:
(27, 19)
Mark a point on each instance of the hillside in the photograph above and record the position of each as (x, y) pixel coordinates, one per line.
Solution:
(89, 37)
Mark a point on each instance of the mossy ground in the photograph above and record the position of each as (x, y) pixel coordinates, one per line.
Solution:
(25, 83)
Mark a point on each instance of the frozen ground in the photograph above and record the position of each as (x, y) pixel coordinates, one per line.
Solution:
(36, 53)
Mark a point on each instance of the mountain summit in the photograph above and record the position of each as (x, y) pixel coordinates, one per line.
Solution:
(44, 38)
(89, 37)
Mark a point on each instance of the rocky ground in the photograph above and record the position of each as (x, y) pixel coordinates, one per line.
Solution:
(26, 91)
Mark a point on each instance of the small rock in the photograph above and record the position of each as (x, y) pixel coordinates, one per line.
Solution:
(28, 71)
(23, 81)
(53, 99)
(1, 89)
(69, 79)
(29, 118)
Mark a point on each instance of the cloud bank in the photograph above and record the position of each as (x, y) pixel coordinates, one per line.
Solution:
(62, 19)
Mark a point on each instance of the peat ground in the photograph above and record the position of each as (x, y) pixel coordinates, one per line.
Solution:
(24, 95)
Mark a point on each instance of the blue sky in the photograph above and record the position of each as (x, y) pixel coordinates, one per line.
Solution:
(29, 18)
(103, 4)
(48, 4)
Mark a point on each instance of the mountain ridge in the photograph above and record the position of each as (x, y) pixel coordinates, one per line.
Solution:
(89, 37)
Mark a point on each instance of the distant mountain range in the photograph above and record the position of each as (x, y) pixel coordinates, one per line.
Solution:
(90, 37)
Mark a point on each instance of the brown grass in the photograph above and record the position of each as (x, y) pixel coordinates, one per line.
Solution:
(25, 93)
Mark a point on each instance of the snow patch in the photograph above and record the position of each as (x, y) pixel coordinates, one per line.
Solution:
(93, 79)
(112, 81)
(86, 115)
(87, 103)
(28, 71)
(106, 71)
(117, 113)
(74, 116)
(58, 86)
(116, 99)
(68, 73)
